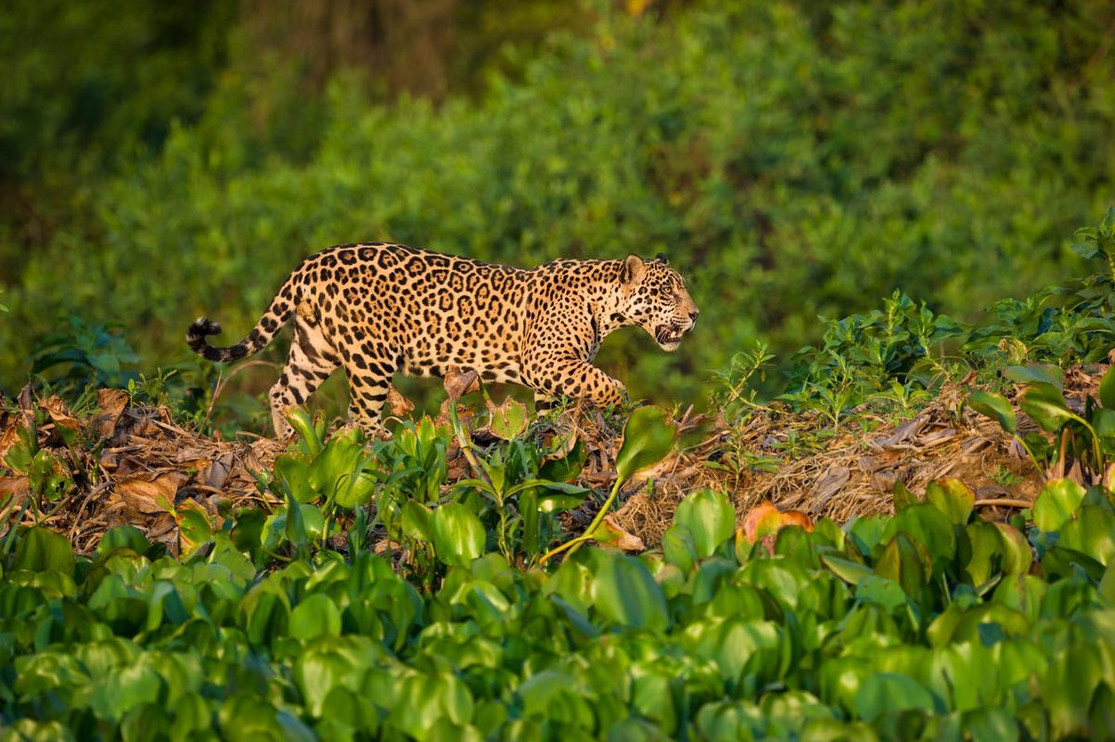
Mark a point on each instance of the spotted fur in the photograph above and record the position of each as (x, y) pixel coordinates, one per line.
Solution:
(378, 309)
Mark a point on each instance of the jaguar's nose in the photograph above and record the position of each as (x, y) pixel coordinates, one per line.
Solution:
(693, 315)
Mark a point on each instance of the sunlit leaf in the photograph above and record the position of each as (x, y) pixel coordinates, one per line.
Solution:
(40, 549)
(1036, 373)
(710, 518)
(886, 692)
(1107, 389)
(626, 593)
(1056, 503)
(458, 534)
(996, 407)
(648, 436)
(508, 419)
(903, 497)
(1091, 532)
(952, 497)
(1047, 406)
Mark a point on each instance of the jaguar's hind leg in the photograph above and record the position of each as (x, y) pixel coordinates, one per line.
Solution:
(369, 381)
(311, 361)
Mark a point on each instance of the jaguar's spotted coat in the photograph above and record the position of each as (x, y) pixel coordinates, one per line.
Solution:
(377, 309)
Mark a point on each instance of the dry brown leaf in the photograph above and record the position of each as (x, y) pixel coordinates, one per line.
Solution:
(609, 532)
(460, 382)
(59, 413)
(217, 472)
(766, 520)
(111, 403)
(397, 404)
(13, 487)
(9, 437)
(145, 494)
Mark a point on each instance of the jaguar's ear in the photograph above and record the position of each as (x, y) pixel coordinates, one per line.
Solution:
(661, 258)
(632, 270)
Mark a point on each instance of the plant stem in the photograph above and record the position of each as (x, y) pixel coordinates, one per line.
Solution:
(575, 544)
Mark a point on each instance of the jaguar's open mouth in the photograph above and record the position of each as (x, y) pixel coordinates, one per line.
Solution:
(669, 337)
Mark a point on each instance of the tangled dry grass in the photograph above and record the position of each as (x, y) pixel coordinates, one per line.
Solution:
(124, 464)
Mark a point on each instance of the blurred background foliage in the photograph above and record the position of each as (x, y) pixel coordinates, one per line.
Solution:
(161, 161)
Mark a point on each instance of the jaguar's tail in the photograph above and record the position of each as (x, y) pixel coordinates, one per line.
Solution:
(278, 314)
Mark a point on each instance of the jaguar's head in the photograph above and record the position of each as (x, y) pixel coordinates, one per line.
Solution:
(657, 300)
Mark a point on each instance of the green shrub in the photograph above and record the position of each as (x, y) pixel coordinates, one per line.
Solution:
(795, 162)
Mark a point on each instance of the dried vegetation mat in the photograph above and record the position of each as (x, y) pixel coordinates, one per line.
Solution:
(124, 464)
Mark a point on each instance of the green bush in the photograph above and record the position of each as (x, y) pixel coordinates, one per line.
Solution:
(795, 161)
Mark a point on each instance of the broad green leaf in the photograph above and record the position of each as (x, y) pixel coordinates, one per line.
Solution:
(906, 561)
(648, 437)
(679, 548)
(986, 552)
(1091, 532)
(1107, 389)
(710, 517)
(122, 689)
(40, 549)
(566, 468)
(417, 521)
(509, 419)
(194, 528)
(626, 593)
(1056, 503)
(315, 616)
(458, 534)
(1047, 406)
(886, 692)
(122, 537)
(1036, 373)
(903, 497)
(1106, 587)
(952, 497)
(929, 526)
(1068, 685)
(995, 406)
(847, 570)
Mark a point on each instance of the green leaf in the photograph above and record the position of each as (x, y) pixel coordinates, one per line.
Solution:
(40, 549)
(626, 593)
(1037, 373)
(315, 616)
(194, 528)
(458, 534)
(509, 419)
(1017, 554)
(907, 562)
(122, 537)
(903, 497)
(648, 437)
(1091, 532)
(679, 548)
(1047, 406)
(995, 406)
(886, 692)
(710, 517)
(985, 552)
(567, 468)
(847, 570)
(417, 521)
(952, 497)
(1107, 389)
(929, 526)
(1056, 503)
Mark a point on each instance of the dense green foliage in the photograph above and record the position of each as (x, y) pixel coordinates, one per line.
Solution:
(916, 627)
(795, 160)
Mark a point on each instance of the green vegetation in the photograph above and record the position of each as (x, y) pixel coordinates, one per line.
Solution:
(917, 626)
(468, 578)
(794, 160)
